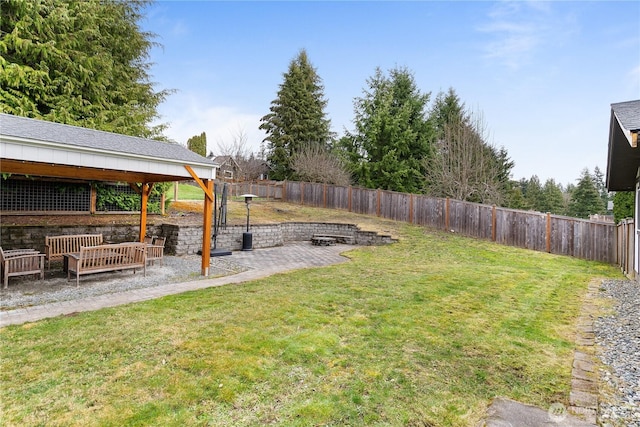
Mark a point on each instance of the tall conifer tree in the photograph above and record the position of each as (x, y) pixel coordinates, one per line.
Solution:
(198, 144)
(80, 62)
(585, 198)
(392, 135)
(297, 117)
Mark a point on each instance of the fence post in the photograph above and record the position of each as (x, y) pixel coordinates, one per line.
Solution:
(378, 202)
(494, 221)
(302, 193)
(349, 197)
(284, 191)
(411, 208)
(548, 232)
(94, 199)
(446, 214)
(324, 195)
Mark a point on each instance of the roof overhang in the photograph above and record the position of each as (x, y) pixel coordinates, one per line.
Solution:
(53, 159)
(623, 154)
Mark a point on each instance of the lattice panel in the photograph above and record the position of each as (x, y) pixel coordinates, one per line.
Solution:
(42, 196)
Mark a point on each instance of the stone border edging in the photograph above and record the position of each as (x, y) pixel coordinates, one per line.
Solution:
(583, 398)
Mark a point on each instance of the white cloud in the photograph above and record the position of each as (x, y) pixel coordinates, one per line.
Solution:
(519, 30)
(188, 116)
(180, 28)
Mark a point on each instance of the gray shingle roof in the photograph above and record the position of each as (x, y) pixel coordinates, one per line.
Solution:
(40, 130)
(628, 113)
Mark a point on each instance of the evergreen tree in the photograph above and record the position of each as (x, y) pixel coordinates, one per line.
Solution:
(297, 117)
(598, 180)
(79, 62)
(464, 165)
(585, 199)
(392, 135)
(623, 205)
(515, 198)
(447, 108)
(198, 144)
(533, 196)
(552, 199)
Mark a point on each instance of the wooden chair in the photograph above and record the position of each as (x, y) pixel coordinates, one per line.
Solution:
(21, 262)
(156, 250)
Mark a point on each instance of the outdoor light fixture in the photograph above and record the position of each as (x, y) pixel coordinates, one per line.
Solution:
(247, 237)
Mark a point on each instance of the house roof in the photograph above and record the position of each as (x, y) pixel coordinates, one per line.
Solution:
(628, 114)
(38, 143)
(623, 155)
(222, 160)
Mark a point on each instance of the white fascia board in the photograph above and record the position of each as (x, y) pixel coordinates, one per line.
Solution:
(51, 152)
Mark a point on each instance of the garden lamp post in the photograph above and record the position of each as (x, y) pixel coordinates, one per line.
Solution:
(247, 237)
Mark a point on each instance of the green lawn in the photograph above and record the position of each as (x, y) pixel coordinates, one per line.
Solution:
(187, 192)
(424, 332)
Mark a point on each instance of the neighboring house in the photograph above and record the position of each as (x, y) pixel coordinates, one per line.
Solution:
(228, 168)
(623, 164)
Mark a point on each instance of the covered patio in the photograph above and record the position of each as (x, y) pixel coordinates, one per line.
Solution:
(38, 148)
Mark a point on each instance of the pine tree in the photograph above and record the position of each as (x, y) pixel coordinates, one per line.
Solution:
(79, 62)
(585, 198)
(552, 199)
(392, 135)
(598, 180)
(464, 165)
(447, 108)
(297, 117)
(533, 195)
(198, 144)
(623, 205)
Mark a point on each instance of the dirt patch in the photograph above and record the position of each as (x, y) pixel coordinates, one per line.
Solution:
(190, 213)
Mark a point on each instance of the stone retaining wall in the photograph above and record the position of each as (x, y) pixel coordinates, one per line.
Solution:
(18, 237)
(185, 239)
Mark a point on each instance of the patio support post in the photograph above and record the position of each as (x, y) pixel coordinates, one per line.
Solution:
(207, 187)
(145, 190)
(206, 227)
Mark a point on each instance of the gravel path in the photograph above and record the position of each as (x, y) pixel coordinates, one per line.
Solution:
(28, 291)
(618, 338)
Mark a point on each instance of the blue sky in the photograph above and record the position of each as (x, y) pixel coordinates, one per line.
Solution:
(541, 74)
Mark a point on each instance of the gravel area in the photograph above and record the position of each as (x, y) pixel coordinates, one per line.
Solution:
(618, 338)
(29, 291)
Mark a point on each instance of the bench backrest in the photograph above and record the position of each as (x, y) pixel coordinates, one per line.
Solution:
(123, 254)
(56, 246)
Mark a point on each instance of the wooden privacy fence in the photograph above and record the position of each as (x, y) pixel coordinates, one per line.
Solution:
(596, 241)
(625, 245)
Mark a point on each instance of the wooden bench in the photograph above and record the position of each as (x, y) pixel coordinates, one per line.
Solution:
(348, 240)
(115, 257)
(20, 262)
(155, 250)
(55, 247)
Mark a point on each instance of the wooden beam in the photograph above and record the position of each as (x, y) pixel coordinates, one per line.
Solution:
(145, 189)
(20, 167)
(206, 228)
(135, 187)
(208, 193)
(207, 187)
